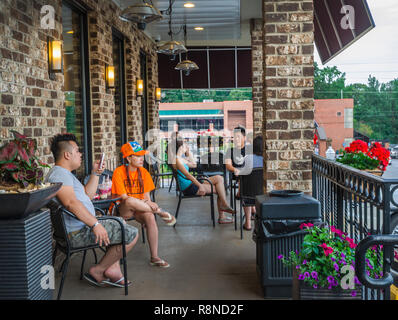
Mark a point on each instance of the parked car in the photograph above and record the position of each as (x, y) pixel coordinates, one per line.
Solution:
(394, 153)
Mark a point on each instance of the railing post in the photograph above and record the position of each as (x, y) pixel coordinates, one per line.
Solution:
(340, 206)
(387, 253)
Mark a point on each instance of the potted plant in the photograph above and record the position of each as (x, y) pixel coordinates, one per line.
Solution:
(327, 255)
(22, 190)
(373, 159)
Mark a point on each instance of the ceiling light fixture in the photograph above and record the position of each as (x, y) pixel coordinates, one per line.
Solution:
(172, 47)
(141, 13)
(186, 65)
(189, 5)
(199, 28)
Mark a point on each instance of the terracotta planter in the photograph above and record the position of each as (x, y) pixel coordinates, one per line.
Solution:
(375, 172)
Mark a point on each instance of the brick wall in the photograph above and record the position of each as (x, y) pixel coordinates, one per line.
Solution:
(288, 93)
(33, 104)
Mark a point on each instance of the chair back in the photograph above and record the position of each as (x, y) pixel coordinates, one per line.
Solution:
(58, 222)
(251, 185)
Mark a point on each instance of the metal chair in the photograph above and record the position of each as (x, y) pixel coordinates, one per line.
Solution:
(182, 196)
(250, 186)
(62, 242)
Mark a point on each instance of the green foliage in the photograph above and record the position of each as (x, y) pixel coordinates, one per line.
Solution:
(196, 95)
(358, 160)
(325, 251)
(18, 162)
(375, 103)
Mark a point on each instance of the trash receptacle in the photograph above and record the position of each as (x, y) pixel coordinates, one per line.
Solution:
(279, 215)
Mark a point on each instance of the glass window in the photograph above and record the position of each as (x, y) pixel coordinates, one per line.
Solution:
(119, 92)
(348, 118)
(74, 82)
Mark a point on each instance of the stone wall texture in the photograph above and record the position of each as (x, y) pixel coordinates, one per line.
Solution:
(288, 112)
(33, 104)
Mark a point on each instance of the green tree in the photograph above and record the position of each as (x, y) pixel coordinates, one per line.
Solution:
(329, 82)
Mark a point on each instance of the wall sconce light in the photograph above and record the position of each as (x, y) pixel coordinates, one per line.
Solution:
(158, 94)
(140, 87)
(109, 76)
(55, 58)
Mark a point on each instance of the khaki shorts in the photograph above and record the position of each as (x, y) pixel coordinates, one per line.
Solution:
(85, 237)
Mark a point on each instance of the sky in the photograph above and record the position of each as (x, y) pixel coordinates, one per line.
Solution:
(376, 53)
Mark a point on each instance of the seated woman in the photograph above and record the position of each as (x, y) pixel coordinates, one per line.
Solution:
(191, 186)
(134, 183)
(253, 161)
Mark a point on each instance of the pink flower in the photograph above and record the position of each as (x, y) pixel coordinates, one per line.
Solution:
(308, 225)
(326, 250)
(351, 242)
(336, 231)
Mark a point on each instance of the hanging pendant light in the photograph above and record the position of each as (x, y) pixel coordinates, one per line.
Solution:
(186, 65)
(172, 47)
(141, 13)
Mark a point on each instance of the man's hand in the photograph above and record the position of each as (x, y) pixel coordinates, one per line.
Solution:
(101, 236)
(236, 172)
(202, 190)
(97, 169)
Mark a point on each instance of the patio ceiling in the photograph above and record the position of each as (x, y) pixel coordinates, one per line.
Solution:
(225, 22)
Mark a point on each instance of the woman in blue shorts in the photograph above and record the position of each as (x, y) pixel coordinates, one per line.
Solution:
(191, 186)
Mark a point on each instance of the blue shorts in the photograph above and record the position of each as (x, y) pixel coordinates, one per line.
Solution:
(191, 190)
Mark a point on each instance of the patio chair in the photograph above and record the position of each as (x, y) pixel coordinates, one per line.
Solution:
(63, 244)
(233, 186)
(157, 175)
(182, 196)
(250, 186)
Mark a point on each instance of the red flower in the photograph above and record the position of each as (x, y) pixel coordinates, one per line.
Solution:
(326, 250)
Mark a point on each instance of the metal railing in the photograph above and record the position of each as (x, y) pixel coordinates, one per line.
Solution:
(358, 203)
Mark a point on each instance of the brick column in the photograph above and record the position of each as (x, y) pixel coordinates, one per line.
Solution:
(288, 117)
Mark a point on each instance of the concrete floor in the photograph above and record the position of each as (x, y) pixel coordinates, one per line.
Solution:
(206, 262)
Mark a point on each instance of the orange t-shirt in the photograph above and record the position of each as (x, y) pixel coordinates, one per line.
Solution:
(120, 184)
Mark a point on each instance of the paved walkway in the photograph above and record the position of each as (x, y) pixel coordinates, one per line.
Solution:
(206, 263)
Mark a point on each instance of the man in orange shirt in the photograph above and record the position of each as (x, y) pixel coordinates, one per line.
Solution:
(134, 184)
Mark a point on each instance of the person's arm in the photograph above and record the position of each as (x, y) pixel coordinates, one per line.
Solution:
(92, 184)
(66, 195)
(230, 167)
(191, 162)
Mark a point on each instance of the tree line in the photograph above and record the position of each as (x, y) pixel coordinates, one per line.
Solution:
(375, 103)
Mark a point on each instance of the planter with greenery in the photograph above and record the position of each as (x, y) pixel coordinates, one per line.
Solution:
(21, 179)
(358, 155)
(322, 265)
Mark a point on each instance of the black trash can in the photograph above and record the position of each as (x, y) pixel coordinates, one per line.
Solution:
(279, 215)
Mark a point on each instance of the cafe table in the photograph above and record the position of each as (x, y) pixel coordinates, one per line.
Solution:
(105, 203)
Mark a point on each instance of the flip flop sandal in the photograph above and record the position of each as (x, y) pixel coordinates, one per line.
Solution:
(225, 221)
(117, 283)
(247, 229)
(159, 263)
(92, 280)
(228, 209)
(170, 220)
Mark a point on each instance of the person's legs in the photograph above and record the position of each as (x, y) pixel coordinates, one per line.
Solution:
(248, 215)
(132, 205)
(218, 188)
(108, 267)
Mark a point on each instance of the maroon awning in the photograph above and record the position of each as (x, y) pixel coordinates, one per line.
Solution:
(338, 24)
(227, 67)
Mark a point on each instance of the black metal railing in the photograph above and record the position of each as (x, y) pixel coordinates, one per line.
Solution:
(358, 203)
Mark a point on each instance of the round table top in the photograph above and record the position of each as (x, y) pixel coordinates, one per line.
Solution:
(108, 200)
